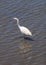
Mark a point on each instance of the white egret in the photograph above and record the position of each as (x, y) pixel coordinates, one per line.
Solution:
(23, 29)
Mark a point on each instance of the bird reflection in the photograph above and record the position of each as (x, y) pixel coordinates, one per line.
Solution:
(27, 38)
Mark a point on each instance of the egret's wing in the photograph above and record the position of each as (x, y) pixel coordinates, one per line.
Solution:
(25, 30)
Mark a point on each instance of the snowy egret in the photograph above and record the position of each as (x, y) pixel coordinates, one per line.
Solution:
(23, 29)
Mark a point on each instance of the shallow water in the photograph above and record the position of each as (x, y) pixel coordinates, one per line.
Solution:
(14, 49)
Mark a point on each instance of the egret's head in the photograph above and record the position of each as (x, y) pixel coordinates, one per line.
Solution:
(16, 19)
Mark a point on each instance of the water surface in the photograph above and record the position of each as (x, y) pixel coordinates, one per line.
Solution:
(14, 49)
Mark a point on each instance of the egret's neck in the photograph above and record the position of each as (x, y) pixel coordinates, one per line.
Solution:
(18, 22)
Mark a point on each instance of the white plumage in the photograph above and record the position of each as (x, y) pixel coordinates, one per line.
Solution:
(23, 29)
